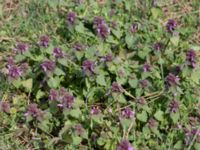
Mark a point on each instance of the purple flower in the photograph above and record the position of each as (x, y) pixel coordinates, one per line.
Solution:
(98, 20)
(44, 41)
(10, 62)
(144, 83)
(79, 129)
(116, 88)
(158, 46)
(174, 106)
(147, 67)
(4, 106)
(34, 111)
(14, 72)
(53, 95)
(71, 18)
(108, 58)
(127, 113)
(95, 110)
(64, 98)
(125, 145)
(66, 101)
(88, 67)
(48, 65)
(58, 53)
(78, 46)
(103, 31)
(134, 27)
(191, 58)
(21, 48)
(189, 134)
(152, 123)
(171, 25)
(172, 79)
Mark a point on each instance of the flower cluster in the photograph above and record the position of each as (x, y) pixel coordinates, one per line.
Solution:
(48, 66)
(191, 58)
(127, 113)
(4, 106)
(158, 46)
(21, 48)
(147, 67)
(15, 71)
(101, 27)
(44, 41)
(172, 79)
(125, 145)
(144, 83)
(116, 88)
(64, 98)
(58, 52)
(95, 110)
(88, 67)
(71, 18)
(171, 25)
(134, 27)
(35, 112)
(174, 106)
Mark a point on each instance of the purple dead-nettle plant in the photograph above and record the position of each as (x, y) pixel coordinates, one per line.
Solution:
(158, 46)
(134, 27)
(171, 25)
(144, 83)
(172, 79)
(35, 112)
(127, 113)
(53, 95)
(14, 72)
(116, 88)
(21, 48)
(71, 18)
(101, 27)
(103, 31)
(44, 41)
(95, 110)
(152, 123)
(66, 101)
(58, 52)
(48, 66)
(98, 20)
(78, 46)
(147, 67)
(4, 106)
(191, 58)
(88, 67)
(107, 58)
(174, 106)
(79, 129)
(189, 135)
(125, 145)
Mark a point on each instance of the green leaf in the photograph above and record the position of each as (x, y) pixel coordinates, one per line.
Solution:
(129, 40)
(174, 40)
(101, 80)
(197, 146)
(40, 94)
(142, 116)
(59, 72)
(28, 84)
(178, 145)
(80, 28)
(75, 113)
(63, 62)
(76, 140)
(53, 82)
(156, 12)
(175, 117)
(117, 33)
(159, 115)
